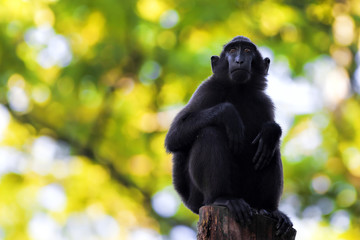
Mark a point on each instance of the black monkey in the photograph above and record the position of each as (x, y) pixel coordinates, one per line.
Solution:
(225, 142)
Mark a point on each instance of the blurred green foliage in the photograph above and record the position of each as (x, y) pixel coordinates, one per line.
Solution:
(88, 90)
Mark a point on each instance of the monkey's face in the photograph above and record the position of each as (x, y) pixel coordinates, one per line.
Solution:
(239, 61)
(240, 57)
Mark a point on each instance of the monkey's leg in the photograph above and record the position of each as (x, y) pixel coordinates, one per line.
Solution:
(210, 169)
(209, 166)
(190, 195)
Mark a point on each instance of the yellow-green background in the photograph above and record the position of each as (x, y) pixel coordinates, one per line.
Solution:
(88, 90)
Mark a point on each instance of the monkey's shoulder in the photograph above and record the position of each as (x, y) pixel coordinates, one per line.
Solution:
(210, 91)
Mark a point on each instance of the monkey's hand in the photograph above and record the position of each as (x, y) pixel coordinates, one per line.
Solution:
(234, 127)
(268, 142)
(242, 210)
(235, 133)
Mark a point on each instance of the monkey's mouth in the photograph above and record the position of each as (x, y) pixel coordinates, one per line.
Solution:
(239, 70)
(240, 75)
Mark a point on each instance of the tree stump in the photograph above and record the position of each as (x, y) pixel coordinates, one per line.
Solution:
(216, 223)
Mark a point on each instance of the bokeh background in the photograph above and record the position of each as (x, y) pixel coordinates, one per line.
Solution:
(88, 90)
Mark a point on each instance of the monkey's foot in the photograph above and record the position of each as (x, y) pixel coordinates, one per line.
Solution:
(242, 210)
(284, 223)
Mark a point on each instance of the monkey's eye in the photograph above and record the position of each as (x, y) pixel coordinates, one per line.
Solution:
(233, 50)
(247, 50)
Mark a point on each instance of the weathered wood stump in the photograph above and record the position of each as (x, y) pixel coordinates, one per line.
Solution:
(216, 223)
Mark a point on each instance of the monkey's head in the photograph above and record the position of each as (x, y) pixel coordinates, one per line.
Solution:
(240, 60)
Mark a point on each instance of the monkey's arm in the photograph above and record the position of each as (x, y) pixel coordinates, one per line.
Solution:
(204, 109)
(268, 141)
(184, 129)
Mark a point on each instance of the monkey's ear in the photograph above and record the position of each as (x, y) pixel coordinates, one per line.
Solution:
(214, 60)
(267, 65)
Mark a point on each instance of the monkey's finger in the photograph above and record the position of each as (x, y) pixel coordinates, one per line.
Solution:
(264, 154)
(244, 213)
(229, 206)
(266, 159)
(235, 147)
(256, 138)
(247, 217)
(286, 226)
(273, 152)
(264, 212)
(231, 141)
(283, 233)
(249, 214)
(240, 143)
(238, 213)
(236, 144)
(282, 230)
(259, 150)
(272, 155)
(242, 133)
(269, 158)
(262, 158)
(279, 226)
(238, 147)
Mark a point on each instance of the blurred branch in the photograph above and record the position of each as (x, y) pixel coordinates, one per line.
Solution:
(93, 157)
(38, 124)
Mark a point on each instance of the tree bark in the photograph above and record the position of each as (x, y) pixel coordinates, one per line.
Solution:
(216, 223)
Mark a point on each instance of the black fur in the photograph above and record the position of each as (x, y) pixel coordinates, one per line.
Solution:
(225, 142)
